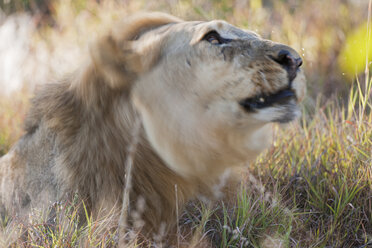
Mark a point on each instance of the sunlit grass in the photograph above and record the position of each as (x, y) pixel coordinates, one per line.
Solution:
(312, 188)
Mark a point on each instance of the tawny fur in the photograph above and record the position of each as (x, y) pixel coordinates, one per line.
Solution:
(157, 68)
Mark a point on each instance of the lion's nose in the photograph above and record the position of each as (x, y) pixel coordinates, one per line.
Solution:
(289, 62)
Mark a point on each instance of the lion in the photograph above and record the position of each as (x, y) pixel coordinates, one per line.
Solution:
(206, 95)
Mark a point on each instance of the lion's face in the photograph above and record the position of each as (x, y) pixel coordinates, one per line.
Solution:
(207, 101)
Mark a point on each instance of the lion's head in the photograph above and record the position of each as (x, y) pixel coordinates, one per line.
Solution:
(205, 90)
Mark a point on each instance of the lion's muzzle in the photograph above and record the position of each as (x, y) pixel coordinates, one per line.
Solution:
(283, 101)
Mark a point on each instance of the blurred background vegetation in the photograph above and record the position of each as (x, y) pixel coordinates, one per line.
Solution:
(40, 40)
(331, 35)
(320, 168)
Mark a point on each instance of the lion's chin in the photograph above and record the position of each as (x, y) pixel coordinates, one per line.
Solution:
(288, 113)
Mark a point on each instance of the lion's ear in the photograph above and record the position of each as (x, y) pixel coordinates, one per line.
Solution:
(113, 62)
(118, 57)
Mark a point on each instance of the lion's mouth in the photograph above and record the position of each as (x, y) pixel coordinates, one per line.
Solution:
(261, 101)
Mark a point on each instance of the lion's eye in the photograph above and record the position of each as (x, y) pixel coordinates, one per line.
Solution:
(213, 37)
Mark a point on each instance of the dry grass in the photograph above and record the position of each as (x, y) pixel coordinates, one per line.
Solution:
(312, 188)
(12, 113)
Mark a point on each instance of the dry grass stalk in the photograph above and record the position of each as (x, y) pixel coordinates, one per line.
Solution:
(122, 228)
